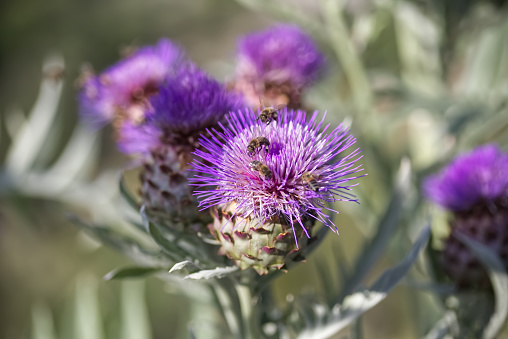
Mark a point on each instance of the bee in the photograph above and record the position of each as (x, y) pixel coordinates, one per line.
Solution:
(256, 143)
(311, 181)
(263, 170)
(269, 113)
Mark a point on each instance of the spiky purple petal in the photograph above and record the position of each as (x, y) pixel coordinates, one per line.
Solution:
(297, 145)
(191, 101)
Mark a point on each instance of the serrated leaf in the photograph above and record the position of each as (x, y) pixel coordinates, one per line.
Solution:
(358, 303)
(218, 273)
(498, 277)
(183, 264)
(132, 272)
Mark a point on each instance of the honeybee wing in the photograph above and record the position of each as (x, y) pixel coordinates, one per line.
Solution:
(280, 106)
(261, 101)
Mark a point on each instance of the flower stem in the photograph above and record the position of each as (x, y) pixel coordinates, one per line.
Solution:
(230, 308)
(250, 312)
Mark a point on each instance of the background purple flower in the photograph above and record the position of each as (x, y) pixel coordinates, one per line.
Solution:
(279, 54)
(123, 88)
(479, 175)
(189, 102)
(297, 146)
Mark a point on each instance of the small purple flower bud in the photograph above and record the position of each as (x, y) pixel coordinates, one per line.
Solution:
(276, 64)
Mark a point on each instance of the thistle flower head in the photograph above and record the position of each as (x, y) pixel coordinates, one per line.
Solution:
(475, 187)
(279, 54)
(188, 103)
(273, 185)
(481, 175)
(123, 89)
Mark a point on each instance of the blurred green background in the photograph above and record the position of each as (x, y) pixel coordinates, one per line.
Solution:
(433, 68)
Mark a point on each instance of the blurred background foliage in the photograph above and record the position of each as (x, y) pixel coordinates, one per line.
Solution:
(417, 80)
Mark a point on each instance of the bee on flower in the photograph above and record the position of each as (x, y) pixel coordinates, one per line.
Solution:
(264, 207)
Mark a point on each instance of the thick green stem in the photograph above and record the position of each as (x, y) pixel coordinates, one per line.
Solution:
(250, 312)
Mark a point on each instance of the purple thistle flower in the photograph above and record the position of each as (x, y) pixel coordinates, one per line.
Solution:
(123, 89)
(276, 65)
(281, 53)
(297, 146)
(190, 102)
(475, 188)
(481, 175)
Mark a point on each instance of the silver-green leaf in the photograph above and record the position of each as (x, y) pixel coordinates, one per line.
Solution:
(183, 264)
(132, 272)
(356, 304)
(499, 279)
(218, 273)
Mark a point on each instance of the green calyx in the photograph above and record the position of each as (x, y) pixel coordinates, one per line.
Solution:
(263, 247)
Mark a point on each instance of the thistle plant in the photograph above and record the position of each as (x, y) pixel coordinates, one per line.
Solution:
(265, 207)
(232, 192)
(474, 187)
(229, 194)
